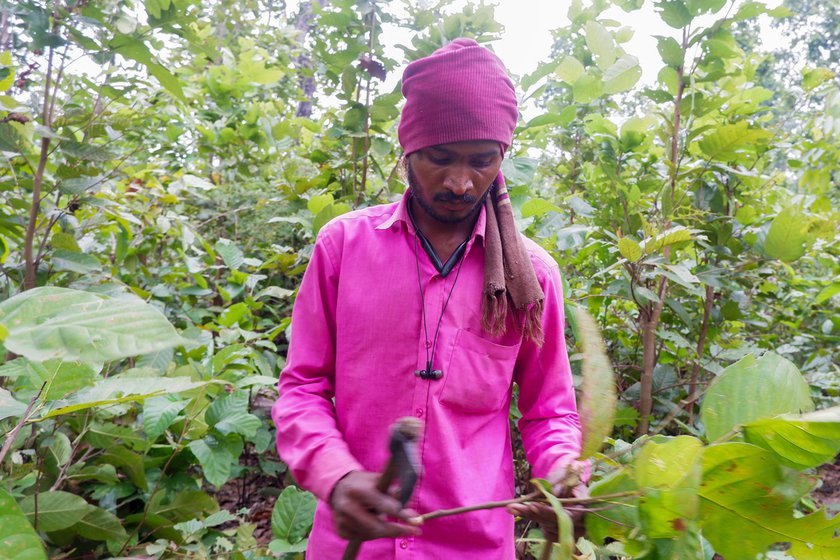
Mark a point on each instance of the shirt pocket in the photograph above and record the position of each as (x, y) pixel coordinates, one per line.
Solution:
(479, 374)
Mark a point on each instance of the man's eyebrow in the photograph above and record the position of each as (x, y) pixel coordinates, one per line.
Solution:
(488, 153)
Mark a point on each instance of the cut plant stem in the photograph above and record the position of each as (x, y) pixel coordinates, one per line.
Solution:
(527, 498)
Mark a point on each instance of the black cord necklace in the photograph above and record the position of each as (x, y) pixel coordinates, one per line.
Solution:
(430, 373)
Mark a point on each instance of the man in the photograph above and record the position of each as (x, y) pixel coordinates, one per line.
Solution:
(431, 307)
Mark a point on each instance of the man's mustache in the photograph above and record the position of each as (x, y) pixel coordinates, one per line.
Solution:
(449, 196)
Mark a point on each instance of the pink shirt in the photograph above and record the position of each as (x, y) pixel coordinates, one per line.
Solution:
(357, 339)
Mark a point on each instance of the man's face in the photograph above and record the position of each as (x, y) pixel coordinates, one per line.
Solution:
(450, 181)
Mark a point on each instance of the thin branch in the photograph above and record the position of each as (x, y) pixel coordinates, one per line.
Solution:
(10, 437)
(532, 497)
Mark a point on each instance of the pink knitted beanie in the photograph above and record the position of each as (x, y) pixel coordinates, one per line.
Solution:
(460, 92)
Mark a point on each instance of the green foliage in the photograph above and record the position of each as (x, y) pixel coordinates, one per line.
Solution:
(17, 537)
(177, 182)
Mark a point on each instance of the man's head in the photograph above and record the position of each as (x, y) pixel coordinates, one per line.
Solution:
(459, 116)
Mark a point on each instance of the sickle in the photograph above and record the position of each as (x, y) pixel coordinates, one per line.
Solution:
(403, 465)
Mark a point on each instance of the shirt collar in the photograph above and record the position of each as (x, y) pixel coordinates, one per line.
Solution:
(400, 214)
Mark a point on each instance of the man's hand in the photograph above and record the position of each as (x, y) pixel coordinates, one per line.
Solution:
(360, 510)
(544, 514)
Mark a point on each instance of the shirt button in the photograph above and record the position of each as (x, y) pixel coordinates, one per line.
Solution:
(403, 544)
(419, 412)
(428, 344)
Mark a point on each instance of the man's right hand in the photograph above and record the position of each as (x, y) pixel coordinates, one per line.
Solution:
(360, 510)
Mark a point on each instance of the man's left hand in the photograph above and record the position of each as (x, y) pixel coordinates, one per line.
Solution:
(544, 514)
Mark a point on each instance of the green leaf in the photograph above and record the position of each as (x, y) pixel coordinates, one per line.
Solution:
(629, 249)
(278, 546)
(318, 202)
(625, 511)
(801, 442)
(813, 78)
(87, 152)
(747, 501)
(598, 399)
(670, 50)
(622, 75)
(60, 449)
(563, 549)
(519, 170)
(788, 236)
(119, 389)
(56, 510)
(601, 43)
(75, 261)
(129, 462)
(587, 88)
(327, 214)
(217, 457)
(9, 407)
(61, 378)
(159, 413)
(229, 414)
(231, 253)
(291, 518)
(677, 234)
(727, 142)
(674, 13)
(669, 473)
(18, 539)
(46, 323)
(100, 525)
(183, 506)
(752, 389)
(134, 49)
(538, 207)
(827, 293)
(569, 69)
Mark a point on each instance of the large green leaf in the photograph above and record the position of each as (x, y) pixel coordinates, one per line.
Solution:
(217, 457)
(56, 510)
(670, 50)
(229, 414)
(598, 395)
(159, 413)
(788, 235)
(9, 407)
(669, 474)
(725, 143)
(629, 249)
(231, 253)
(116, 390)
(752, 389)
(292, 516)
(47, 323)
(18, 539)
(747, 500)
(100, 525)
(622, 75)
(587, 88)
(569, 69)
(61, 378)
(801, 442)
(622, 521)
(601, 43)
(183, 506)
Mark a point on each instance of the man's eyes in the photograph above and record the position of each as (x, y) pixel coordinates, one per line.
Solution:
(476, 163)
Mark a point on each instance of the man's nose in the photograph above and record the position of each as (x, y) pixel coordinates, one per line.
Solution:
(458, 181)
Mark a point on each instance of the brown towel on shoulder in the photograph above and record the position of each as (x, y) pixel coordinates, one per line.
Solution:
(508, 272)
